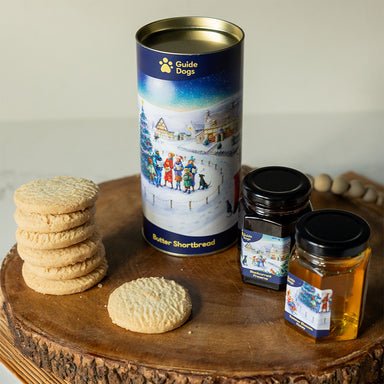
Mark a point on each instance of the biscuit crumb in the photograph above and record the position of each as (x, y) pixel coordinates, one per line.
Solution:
(99, 285)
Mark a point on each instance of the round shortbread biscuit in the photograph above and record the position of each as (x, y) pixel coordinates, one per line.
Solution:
(64, 287)
(149, 305)
(57, 195)
(60, 257)
(44, 223)
(55, 240)
(70, 271)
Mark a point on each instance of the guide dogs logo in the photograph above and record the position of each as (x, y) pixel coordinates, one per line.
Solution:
(182, 68)
(166, 65)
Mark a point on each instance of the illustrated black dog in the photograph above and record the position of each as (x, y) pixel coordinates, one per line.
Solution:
(229, 208)
(202, 184)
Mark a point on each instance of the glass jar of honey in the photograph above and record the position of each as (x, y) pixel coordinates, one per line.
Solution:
(273, 199)
(327, 276)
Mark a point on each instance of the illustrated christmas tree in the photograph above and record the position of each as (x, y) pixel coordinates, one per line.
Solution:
(283, 270)
(309, 297)
(146, 147)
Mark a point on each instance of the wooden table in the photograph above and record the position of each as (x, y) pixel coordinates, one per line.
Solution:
(236, 333)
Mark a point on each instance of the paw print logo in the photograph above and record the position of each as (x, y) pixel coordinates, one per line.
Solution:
(166, 66)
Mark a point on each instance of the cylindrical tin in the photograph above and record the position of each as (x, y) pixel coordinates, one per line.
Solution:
(190, 73)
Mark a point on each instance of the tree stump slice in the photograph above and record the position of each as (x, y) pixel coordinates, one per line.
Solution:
(236, 333)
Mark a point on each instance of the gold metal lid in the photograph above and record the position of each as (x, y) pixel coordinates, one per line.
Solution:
(189, 35)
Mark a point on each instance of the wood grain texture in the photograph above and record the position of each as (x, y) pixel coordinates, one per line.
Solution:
(236, 333)
(20, 365)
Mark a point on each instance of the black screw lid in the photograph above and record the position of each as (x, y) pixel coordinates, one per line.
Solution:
(332, 233)
(276, 187)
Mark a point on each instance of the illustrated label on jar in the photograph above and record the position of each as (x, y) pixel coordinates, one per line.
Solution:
(308, 307)
(264, 257)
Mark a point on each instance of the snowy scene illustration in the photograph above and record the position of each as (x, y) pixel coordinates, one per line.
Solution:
(190, 166)
(309, 304)
(265, 253)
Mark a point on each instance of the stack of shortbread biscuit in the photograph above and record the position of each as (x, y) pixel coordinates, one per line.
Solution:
(57, 235)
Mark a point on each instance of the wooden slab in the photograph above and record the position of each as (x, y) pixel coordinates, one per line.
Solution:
(236, 333)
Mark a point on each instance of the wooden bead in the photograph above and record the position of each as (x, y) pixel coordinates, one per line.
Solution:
(340, 185)
(322, 182)
(380, 198)
(370, 195)
(356, 188)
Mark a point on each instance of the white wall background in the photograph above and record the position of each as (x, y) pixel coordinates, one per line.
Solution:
(76, 58)
(313, 91)
(314, 74)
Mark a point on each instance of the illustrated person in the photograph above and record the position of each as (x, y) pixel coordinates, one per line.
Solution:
(260, 262)
(291, 302)
(168, 169)
(193, 170)
(158, 168)
(325, 303)
(178, 169)
(313, 303)
(187, 180)
(152, 171)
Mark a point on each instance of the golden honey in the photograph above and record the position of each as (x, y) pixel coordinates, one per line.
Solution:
(327, 276)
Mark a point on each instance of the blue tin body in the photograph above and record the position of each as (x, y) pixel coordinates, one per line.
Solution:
(190, 116)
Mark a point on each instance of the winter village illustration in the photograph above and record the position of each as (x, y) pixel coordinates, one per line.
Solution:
(265, 253)
(309, 304)
(190, 166)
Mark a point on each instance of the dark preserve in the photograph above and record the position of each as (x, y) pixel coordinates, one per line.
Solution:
(274, 198)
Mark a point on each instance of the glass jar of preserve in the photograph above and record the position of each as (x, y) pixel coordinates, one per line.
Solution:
(327, 277)
(273, 199)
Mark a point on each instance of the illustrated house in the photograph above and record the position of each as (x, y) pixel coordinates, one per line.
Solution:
(217, 126)
(162, 130)
(220, 125)
(196, 131)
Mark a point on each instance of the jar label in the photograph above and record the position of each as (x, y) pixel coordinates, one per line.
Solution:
(264, 257)
(308, 307)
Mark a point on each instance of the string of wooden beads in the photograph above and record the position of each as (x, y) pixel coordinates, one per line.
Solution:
(353, 189)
